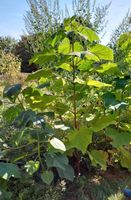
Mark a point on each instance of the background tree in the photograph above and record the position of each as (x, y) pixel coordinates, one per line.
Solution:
(7, 43)
(123, 27)
(43, 16)
(46, 15)
(93, 14)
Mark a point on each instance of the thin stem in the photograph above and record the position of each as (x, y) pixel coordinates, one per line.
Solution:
(39, 151)
(74, 88)
(21, 103)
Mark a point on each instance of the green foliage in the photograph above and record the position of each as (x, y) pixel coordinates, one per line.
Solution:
(47, 177)
(8, 170)
(32, 167)
(80, 139)
(99, 157)
(44, 18)
(66, 112)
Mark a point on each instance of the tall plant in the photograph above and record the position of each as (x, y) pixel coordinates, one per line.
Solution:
(71, 113)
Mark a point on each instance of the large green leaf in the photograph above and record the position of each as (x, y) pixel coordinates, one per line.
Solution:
(87, 33)
(102, 52)
(64, 47)
(24, 118)
(56, 160)
(67, 173)
(85, 65)
(80, 139)
(125, 159)
(41, 102)
(100, 123)
(38, 74)
(108, 67)
(57, 144)
(45, 99)
(65, 66)
(109, 99)
(11, 92)
(60, 108)
(97, 84)
(47, 177)
(43, 58)
(78, 47)
(8, 170)
(11, 113)
(99, 157)
(58, 37)
(119, 138)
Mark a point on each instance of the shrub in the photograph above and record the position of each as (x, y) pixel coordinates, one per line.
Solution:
(9, 63)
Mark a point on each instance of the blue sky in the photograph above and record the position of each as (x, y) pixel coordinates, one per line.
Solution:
(12, 12)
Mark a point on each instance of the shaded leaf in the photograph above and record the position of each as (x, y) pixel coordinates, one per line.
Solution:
(109, 99)
(125, 159)
(119, 138)
(47, 177)
(56, 160)
(99, 157)
(11, 92)
(8, 170)
(102, 122)
(67, 173)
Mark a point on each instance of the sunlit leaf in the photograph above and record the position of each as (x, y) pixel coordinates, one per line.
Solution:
(102, 52)
(38, 74)
(44, 57)
(32, 166)
(80, 139)
(97, 84)
(88, 33)
(64, 47)
(78, 47)
(65, 66)
(57, 144)
(108, 67)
